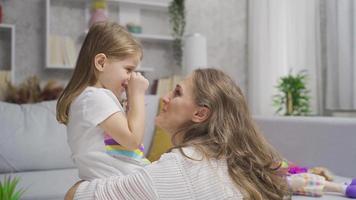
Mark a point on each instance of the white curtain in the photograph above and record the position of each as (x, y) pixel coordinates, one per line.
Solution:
(283, 35)
(341, 54)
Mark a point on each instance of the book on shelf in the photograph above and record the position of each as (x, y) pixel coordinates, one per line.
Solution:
(166, 84)
(154, 85)
(69, 52)
(62, 51)
(56, 53)
(4, 80)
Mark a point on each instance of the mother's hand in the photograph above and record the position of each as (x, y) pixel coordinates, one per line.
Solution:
(70, 193)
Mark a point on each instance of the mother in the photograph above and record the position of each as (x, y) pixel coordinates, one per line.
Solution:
(218, 152)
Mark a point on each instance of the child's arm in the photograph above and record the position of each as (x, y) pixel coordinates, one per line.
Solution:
(129, 131)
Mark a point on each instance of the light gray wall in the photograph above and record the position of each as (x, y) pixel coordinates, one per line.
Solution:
(224, 23)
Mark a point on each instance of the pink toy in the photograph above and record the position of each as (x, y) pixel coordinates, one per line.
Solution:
(98, 12)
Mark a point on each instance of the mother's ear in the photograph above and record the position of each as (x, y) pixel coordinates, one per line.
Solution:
(201, 114)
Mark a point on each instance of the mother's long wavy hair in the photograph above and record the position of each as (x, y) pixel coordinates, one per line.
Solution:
(230, 133)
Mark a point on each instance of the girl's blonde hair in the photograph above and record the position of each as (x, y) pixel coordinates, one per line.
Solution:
(230, 133)
(108, 38)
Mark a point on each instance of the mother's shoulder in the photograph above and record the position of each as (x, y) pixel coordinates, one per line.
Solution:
(185, 153)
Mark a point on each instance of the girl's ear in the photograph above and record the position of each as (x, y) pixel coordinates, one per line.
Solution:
(201, 114)
(99, 61)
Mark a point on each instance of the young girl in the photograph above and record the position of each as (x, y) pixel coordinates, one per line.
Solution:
(104, 140)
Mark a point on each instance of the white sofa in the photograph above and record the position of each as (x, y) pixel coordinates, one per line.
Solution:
(33, 147)
(315, 141)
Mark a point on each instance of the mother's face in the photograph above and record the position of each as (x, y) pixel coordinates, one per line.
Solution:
(178, 107)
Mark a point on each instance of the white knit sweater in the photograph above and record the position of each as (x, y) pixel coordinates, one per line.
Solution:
(172, 177)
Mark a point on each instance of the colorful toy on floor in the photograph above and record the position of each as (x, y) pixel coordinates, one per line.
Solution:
(315, 181)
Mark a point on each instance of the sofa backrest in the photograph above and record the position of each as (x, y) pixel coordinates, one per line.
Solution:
(314, 141)
(32, 139)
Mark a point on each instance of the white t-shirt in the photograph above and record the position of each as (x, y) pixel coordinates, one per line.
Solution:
(87, 139)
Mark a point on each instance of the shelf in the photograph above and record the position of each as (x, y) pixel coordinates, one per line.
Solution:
(145, 69)
(58, 66)
(153, 37)
(129, 11)
(141, 69)
(143, 4)
(145, 37)
(146, 5)
(10, 26)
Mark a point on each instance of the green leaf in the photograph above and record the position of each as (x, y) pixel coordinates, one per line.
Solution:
(8, 189)
(176, 12)
(296, 85)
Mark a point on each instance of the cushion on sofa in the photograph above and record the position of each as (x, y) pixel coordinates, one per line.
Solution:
(31, 138)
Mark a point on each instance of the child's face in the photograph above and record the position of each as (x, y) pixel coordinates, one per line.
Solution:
(116, 73)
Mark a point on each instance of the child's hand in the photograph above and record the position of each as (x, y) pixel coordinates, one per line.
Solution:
(137, 84)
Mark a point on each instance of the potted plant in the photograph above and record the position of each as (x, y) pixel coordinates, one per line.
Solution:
(8, 190)
(293, 97)
(30, 91)
(176, 12)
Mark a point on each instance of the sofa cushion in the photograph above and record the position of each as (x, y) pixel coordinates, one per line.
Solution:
(45, 185)
(31, 138)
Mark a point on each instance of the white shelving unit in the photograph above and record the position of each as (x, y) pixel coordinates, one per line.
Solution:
(153, 37)
(148, 5)
(9, 29)
(129, 11)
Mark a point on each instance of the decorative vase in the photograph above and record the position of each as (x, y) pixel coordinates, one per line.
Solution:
(133, 28)
(194, 52)
(98, 12)
(98, 15)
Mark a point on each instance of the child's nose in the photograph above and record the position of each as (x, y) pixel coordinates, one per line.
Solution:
(166, 98)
